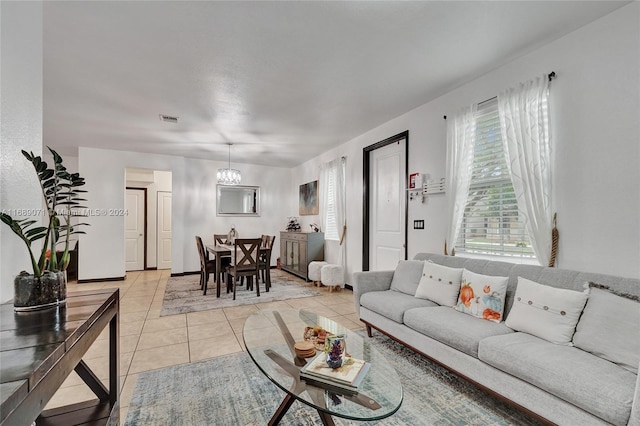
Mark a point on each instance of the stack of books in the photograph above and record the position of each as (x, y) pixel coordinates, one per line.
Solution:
(348, 377)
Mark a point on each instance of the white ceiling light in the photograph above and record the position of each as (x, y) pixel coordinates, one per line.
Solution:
(229, 176)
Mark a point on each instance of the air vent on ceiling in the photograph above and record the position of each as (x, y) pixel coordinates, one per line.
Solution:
(168, 118)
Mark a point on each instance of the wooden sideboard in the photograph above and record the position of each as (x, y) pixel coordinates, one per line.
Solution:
(298, 249)
(39, 349)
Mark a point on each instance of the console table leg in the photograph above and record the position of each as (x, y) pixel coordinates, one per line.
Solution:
(282, 410)
(114, 357)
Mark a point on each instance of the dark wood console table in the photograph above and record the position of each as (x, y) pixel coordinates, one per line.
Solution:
(38, 350)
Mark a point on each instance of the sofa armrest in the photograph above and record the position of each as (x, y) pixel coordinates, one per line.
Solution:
(364, 282)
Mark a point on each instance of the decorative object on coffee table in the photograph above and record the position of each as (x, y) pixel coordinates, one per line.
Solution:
(335, 347)
(305, 349)
(317, 336)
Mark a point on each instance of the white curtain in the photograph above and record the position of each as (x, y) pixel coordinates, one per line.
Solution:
(332, 178)
(524, 121)
(461, 139)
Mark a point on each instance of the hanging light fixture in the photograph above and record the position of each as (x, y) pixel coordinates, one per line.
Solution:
(229, 176)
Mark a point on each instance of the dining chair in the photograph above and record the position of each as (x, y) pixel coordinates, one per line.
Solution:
(265, 259)
(244, 263)
(219, 239)
(206, 266)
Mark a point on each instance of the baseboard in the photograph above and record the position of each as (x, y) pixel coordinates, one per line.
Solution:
(96, 280)
(153, 268)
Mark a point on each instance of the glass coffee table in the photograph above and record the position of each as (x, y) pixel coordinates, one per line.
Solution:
(269, 337)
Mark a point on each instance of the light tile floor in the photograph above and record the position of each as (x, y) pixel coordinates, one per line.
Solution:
(148, 341)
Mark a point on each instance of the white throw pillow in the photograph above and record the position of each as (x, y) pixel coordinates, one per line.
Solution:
(482, 295)
(407, 276)
(439, 284)
(546, 312)
(608, 328)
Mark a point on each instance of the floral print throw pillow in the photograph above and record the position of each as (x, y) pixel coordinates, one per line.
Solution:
(482, 295)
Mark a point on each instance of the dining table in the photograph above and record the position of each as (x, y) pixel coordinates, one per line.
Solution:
(219, 251)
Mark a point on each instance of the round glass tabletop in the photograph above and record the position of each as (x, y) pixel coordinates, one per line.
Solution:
(269, 337)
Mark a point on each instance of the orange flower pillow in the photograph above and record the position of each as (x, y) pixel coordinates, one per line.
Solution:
(482, 295)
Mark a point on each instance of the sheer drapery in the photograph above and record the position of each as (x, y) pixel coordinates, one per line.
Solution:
(524, 122)
(334, 203)
(461, 137)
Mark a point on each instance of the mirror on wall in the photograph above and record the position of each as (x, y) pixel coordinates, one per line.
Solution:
(238, 200)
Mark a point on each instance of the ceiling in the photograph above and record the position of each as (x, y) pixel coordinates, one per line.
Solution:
(282, 81)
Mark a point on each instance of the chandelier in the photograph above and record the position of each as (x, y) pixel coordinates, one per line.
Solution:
(229, 176)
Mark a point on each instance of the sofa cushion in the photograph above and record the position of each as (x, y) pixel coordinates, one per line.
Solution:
(453, 328)
(591, 383)
(407, 276)
(608, 328)
(392, 304)
(546, 312)
(482, 295)
(440, 284)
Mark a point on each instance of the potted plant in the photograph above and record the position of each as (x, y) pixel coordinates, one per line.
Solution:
(46, 286)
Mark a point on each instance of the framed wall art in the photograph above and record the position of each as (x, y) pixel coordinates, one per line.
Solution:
(309, 198)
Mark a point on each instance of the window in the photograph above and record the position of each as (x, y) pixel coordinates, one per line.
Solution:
(331, 224)
(491, 223)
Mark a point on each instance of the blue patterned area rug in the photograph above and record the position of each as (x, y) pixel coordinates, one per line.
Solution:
(230, 390)
(183, 294)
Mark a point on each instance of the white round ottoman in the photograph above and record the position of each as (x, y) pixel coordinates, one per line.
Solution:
(332, 276)
(314, 271)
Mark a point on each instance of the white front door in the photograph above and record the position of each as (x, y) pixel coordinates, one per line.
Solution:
(164, 230)
(387, 206)
(134, 230)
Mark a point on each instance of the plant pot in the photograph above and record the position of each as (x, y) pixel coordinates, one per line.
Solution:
(33, 293)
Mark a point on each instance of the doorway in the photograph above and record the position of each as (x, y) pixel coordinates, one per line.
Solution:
(385, 203)
(157, 218)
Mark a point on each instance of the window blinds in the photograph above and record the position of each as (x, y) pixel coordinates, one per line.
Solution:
(491, 222)
(331, 226)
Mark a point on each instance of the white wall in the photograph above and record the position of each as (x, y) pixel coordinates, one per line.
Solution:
(193, 207)
(200, 215)
(595, 139)
(21, 128)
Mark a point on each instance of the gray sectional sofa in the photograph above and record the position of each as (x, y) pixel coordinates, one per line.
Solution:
(593, 380)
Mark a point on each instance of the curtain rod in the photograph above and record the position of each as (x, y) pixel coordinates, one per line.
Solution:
(551, 76)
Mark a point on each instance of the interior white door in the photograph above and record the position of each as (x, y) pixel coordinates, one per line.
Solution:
(164, 230)
(387, 206)
(134, 230)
